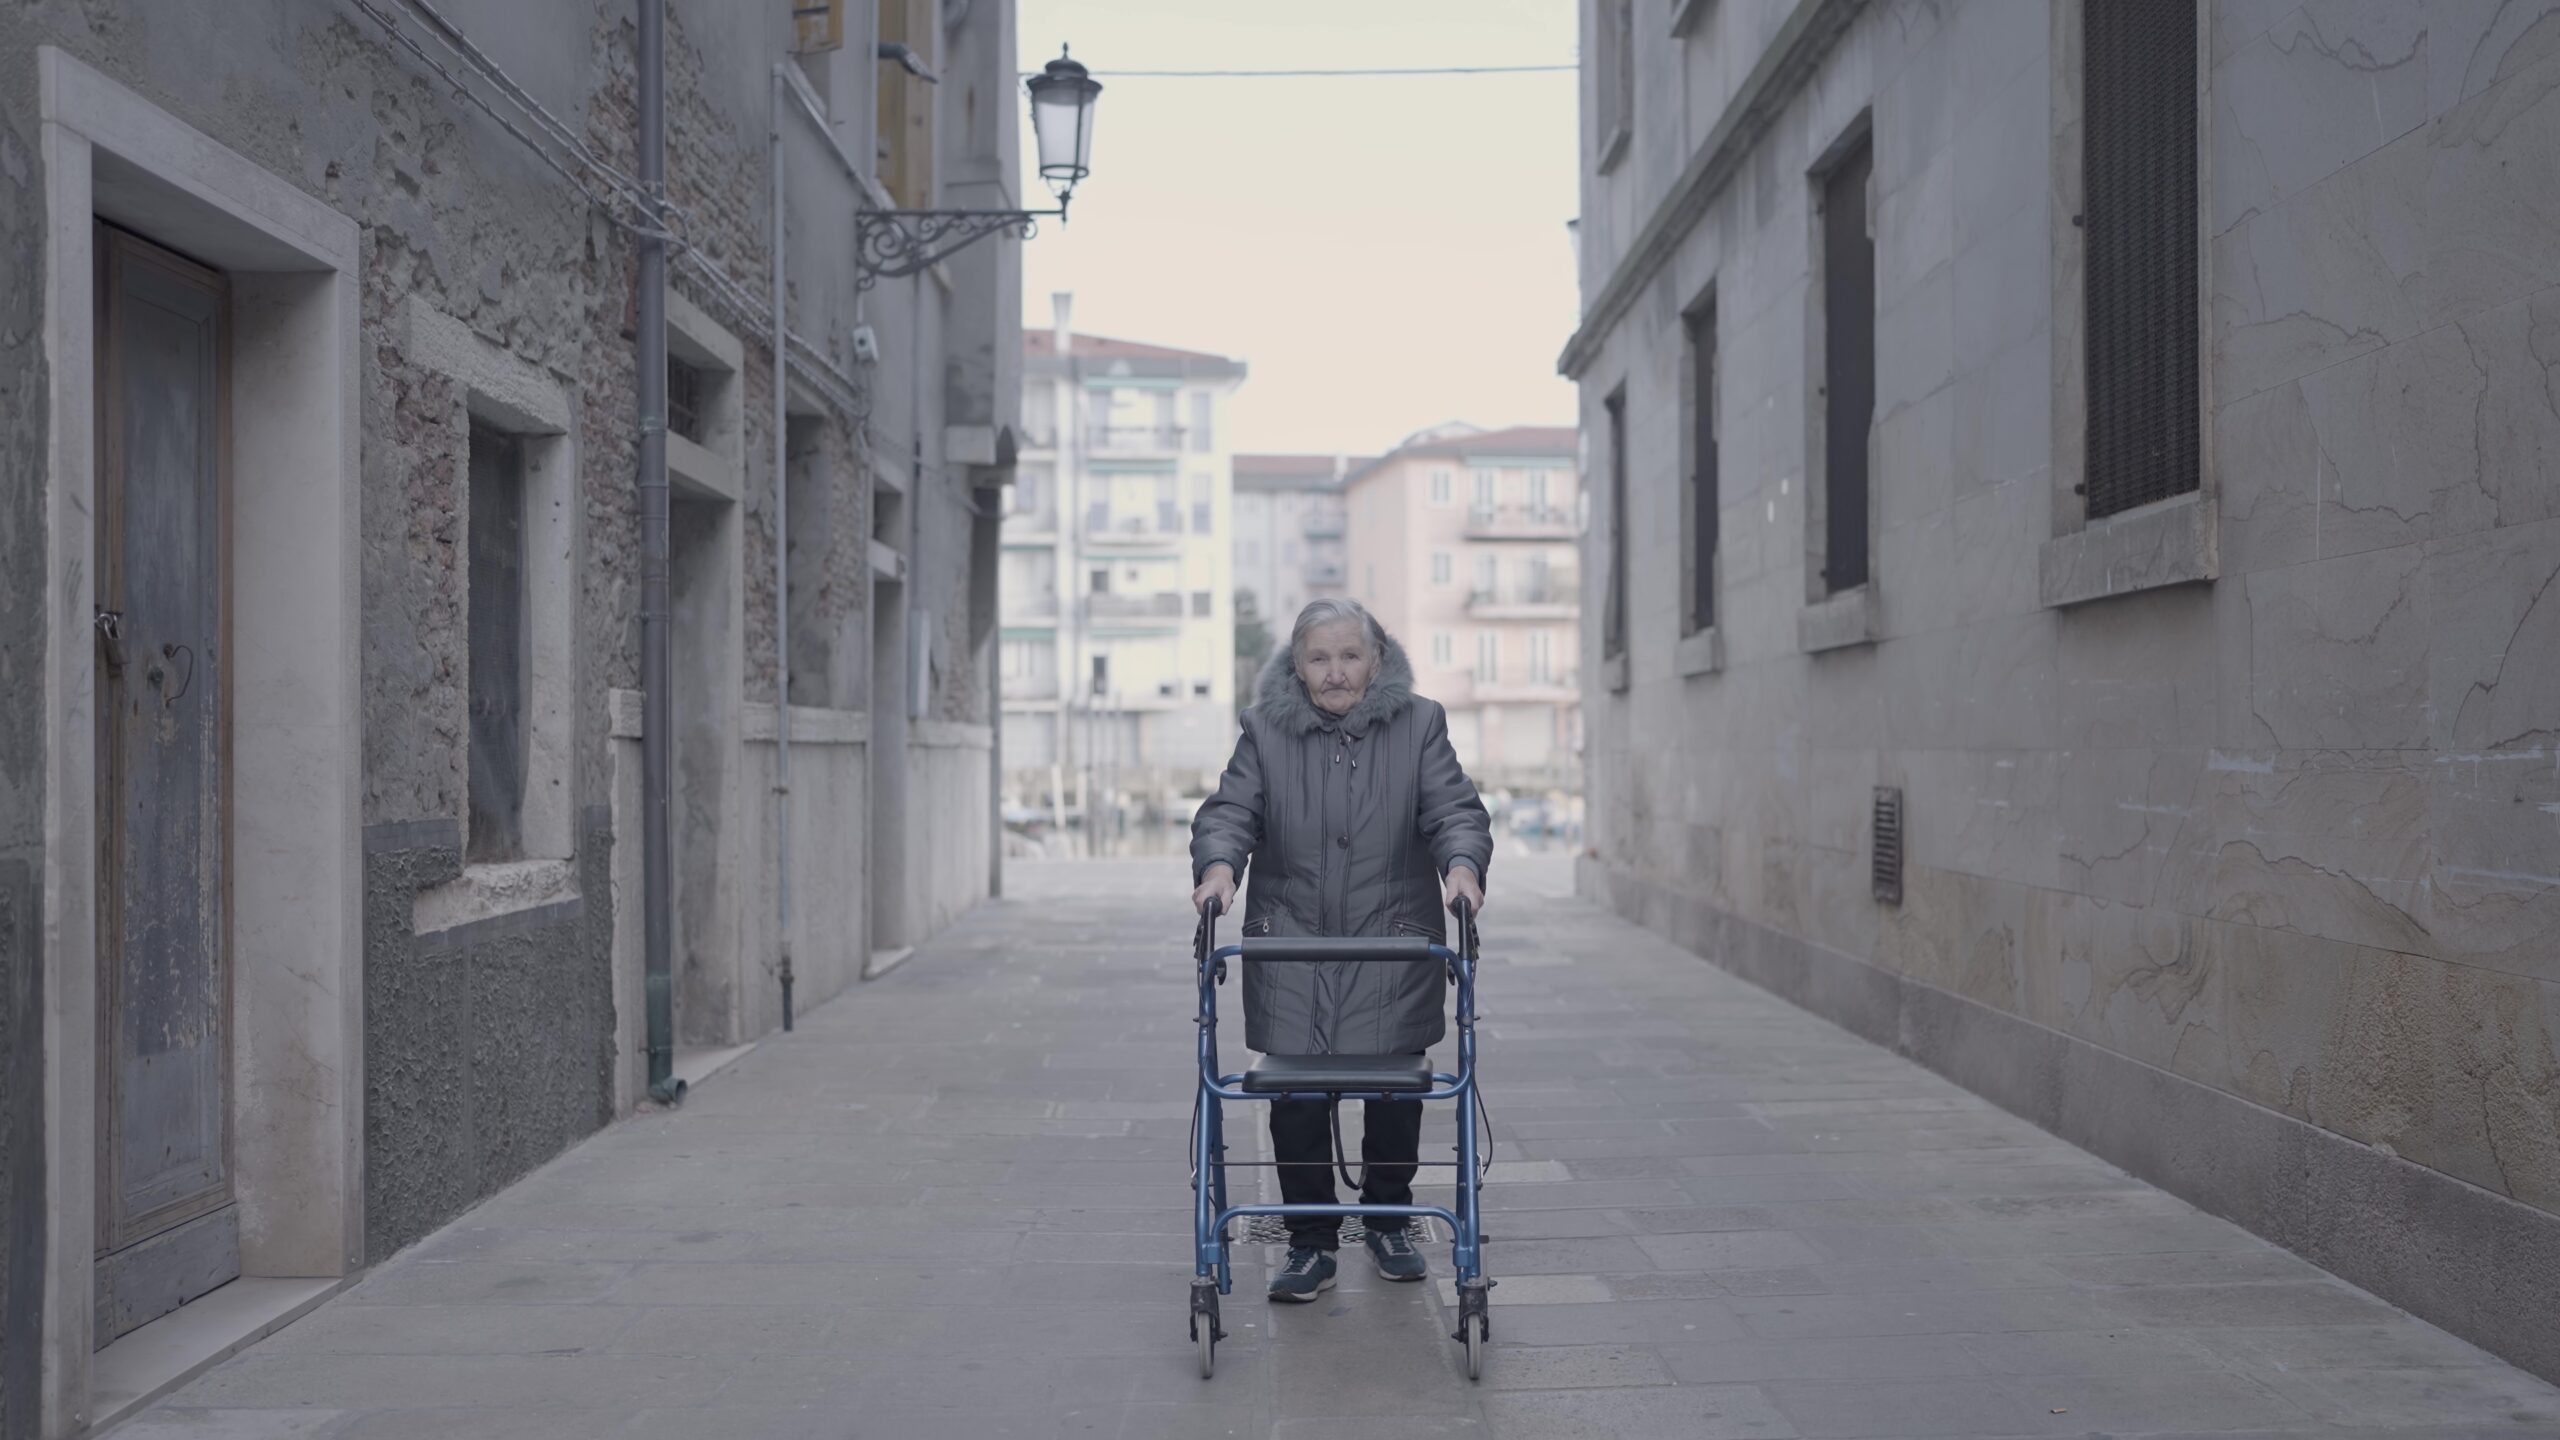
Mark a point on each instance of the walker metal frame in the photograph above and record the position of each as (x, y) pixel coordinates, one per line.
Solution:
(1213, 1216)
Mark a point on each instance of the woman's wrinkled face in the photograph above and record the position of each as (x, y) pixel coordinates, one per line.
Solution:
(1336, 663)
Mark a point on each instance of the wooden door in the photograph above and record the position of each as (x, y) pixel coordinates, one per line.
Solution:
(167, 1227)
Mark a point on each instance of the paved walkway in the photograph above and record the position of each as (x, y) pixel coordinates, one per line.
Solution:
(954, 1204)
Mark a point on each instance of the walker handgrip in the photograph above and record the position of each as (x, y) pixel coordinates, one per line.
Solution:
(1337, 947)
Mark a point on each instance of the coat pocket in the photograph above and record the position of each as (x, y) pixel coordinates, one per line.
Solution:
(1258, 927)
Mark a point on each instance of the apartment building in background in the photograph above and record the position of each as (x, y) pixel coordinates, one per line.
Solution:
(1115, 583)
(2074, 579)
(1290, 545)
(1463, 542)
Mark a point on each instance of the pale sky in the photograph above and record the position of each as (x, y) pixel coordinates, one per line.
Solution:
(1383, 253)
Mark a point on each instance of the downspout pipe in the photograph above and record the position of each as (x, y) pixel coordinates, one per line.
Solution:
(657, 723)
(781, 576)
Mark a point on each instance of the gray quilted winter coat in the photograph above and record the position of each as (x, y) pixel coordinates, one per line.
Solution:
(1348, 824)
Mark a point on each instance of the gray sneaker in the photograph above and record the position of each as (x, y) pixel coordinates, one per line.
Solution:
(1396, 1257)
(1308, 1273)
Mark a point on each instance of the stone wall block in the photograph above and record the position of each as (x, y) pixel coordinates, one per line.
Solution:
(2141, 671)
(2317, 279)
(2488, 189)
(2317, 91)
(2273, 473)
(2330, 843)
(2450, 1066)
(2332, 652)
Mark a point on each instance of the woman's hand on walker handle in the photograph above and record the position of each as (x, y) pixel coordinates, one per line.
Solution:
(1462, 885)
(1216, 883)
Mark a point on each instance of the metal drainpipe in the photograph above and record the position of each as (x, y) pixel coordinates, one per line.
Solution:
(781, 577)
(657, 718)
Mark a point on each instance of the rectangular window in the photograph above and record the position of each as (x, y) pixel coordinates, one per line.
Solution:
(1200, 602)
(906, 101)
(1199, 689)
(809, 534)
(1848, 366)
(1439, 487)
(499, 640)
(1613, 615)
(1168, 505)
(1542, 657)
(2140, 277)
(1203, 420)
(1101, 674)
(1703, 497)
(1102, 581)
(1615, 75)
(1027, 487)
(1538, 493)
(1440, 567)
(1488, 656)
(1488, 575)
(1486, 493)
(1444, 648)
(688, 394)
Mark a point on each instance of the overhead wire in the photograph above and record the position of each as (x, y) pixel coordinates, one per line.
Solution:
(628, 209)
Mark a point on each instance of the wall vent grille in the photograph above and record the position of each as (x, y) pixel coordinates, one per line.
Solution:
(1887, 844)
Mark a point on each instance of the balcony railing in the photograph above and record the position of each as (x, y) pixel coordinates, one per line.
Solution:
(1126, 438)
(1321, 525)
(1326, 572)
(1519, 522)
(1553, 599)
(1031, 605)
(1030, 687)
(1032, 522)
(1163, 605)
(1163, 525)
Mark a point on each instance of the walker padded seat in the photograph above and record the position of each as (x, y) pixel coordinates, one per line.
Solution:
(1301, 1074)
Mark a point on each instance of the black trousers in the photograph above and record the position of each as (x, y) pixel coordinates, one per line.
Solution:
(1302, 1140)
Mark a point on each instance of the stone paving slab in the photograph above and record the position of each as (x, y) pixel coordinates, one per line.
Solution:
(954, 1203)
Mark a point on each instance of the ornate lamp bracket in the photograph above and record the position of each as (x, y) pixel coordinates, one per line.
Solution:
(898, 243)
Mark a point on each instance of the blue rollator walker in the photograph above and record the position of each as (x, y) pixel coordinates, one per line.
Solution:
(1334, 1078)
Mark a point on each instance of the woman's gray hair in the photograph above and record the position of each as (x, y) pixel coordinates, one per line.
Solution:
(1327, 609)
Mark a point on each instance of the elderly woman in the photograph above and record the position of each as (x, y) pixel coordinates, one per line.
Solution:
(1356, 818)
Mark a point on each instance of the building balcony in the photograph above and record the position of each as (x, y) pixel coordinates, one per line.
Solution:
(1030, 689)
(1519, 522)
(1326, 572)
(1031, 527)
(1555, 690)
(1156, 530)
(1321, 526)
(1555, 600)
(1164, 608)
(1035, 607)
(1133, 439)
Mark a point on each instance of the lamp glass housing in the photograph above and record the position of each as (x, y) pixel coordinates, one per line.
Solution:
(1062, 99)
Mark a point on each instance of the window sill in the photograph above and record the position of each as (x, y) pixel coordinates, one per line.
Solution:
(1700, 654)
(1613, 673)
(1843, 620)
(1688, 16)
(2167, 543)
(493, 890)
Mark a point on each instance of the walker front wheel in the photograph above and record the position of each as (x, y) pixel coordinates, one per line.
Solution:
(1204, 1323)
(1474, 1325)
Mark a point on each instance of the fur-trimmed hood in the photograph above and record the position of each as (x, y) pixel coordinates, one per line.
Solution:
(1283, 701)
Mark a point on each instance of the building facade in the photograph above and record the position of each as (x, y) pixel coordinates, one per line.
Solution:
(1463, 543)
(2070, 579)
(1290, 543)
(320, 800)
(1118, 608)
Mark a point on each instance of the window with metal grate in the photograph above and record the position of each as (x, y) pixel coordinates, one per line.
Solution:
(1848, 366)
(1885, 845)
(498, 644)
(1613, 618)
(2138, 176)
(1704, 495)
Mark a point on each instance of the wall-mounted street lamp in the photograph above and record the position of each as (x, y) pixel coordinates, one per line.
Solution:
(902, 242)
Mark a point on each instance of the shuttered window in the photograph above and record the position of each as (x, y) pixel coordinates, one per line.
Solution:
(498, 642)
(2138, 177)
(1704, 495)
(1613, 618)
(1848, 366)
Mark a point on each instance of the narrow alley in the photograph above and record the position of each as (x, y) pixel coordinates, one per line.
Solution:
(953, 1203)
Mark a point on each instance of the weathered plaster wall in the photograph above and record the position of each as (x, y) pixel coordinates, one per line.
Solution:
(2292, 837)
(488, 1046)
(22, 751)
